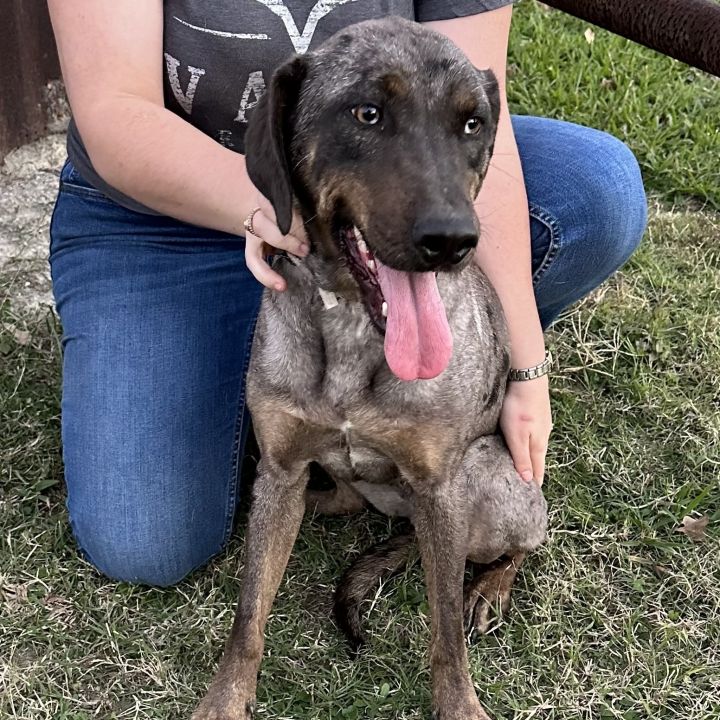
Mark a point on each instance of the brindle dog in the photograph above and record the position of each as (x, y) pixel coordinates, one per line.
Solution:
(382, 138)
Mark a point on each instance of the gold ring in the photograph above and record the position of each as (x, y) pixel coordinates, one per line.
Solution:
(248, 222)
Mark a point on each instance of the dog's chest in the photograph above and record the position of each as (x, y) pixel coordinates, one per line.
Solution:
(327, 367)
(353, 356)
(353, 387)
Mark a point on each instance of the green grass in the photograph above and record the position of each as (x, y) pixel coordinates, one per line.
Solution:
(667, 112)
(616, 617)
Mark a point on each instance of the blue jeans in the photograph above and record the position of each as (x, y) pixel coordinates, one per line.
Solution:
(158, 319)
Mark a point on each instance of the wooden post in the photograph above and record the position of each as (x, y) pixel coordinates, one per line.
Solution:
(29, 61)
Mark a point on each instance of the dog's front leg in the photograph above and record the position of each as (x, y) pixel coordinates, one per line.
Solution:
(275, 517)
(441, 524)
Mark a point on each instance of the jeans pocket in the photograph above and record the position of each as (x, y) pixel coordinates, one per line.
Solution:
(73, 183)
(545, 240)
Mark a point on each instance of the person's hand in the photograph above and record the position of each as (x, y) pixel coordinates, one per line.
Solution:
(526, 422)
(268, 239)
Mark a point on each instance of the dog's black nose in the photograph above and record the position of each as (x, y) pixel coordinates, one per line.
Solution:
(441, 240)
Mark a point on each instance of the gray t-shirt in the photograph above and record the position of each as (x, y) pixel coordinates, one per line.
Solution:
(219, 56)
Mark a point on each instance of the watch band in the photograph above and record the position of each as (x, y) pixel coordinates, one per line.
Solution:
(534, 372)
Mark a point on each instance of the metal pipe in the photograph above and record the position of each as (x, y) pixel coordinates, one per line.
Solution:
(687, 30)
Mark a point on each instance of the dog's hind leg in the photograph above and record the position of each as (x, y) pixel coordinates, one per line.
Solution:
(508, 519)
(275, 516)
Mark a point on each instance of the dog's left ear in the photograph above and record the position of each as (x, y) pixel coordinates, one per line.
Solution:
(267, 140)
(492, 90)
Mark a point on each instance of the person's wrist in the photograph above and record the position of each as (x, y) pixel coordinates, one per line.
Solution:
(527, 347)
(247, 198)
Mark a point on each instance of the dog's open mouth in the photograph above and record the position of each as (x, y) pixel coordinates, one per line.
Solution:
(405, 306)
(363, 266)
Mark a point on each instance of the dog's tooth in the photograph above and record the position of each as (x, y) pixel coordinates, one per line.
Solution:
(360, 240)
(371, 265)
(384, 309)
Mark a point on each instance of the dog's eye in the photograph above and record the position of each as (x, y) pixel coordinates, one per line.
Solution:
(474, 125)
(367, 114)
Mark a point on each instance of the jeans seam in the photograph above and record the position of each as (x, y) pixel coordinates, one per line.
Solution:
(234, 483)
(550, 222)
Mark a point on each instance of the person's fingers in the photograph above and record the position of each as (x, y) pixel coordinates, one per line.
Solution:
(266, 207)
(255, 252)
(538, 451)
(297, 228)
(266, 229)
(519, 446)
(266, 238)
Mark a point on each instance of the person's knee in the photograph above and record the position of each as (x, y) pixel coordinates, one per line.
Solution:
(159, 556)
(615, 200)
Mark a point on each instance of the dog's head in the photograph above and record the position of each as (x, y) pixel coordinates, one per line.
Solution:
(383, 136)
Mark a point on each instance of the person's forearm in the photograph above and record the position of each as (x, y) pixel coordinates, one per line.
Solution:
(163, 162)
(504, 248)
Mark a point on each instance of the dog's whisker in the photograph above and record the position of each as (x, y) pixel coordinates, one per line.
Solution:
(302, 159)
(312, 217)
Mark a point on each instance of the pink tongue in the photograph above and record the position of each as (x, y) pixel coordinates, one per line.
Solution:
(418, 341)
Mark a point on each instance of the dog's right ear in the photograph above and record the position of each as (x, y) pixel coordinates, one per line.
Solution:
(267, 140)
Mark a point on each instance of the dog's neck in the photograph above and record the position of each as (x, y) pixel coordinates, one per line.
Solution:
(330, 316)
(321, 274)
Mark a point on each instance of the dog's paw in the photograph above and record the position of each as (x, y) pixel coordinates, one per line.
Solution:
(487, 600)
(482, 614)
(454, 698)
(219, 706)
(471, 711)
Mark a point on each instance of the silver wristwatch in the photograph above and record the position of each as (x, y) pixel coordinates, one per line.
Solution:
(534, 372)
